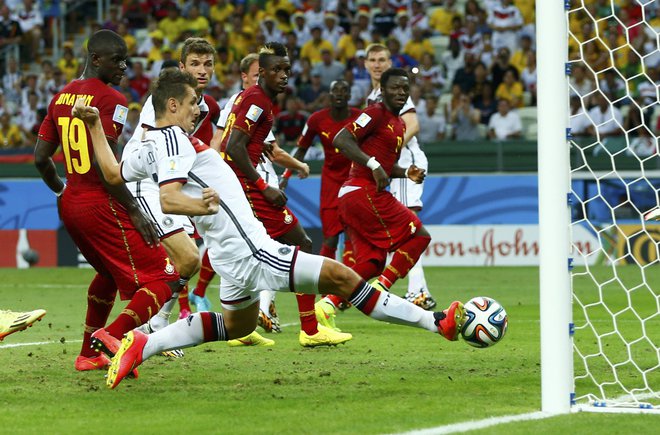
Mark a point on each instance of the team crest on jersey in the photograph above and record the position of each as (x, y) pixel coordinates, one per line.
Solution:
(284, 250)
(287, 217)
(168, 221)
(121, 112)
(363, 120)
(169, 269)
(254, 112)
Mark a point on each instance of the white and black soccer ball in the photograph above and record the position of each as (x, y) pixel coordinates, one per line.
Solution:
(486, 322)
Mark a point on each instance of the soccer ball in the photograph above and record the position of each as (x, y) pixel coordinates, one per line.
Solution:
(486, 322)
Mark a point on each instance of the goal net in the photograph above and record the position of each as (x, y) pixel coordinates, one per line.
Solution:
(613, 74)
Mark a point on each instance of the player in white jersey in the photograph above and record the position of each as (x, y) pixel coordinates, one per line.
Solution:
(194, 180)
(406, 191)
(174, 231)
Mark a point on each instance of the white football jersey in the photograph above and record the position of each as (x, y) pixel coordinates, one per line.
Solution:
(166, 156)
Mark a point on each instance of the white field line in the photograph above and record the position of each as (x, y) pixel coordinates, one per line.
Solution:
(37, 343)
(480, 424)
(46, 285)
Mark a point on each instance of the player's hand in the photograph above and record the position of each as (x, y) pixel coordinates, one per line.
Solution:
(89, 114)
(284, 182)
(304, 172)
(145, 226)
(416, 174)
(211, 200)
(382, 180)
(275, 196)
(268, 150)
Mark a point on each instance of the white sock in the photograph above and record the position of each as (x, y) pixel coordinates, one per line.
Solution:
(265, 298)
(392, 308)
(184, 333)
(416, 278)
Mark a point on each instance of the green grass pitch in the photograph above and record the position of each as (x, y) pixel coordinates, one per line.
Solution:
(388, 379)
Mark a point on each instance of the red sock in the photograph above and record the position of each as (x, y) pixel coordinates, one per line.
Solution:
(206, 274)
(367, 269)
(347, 257)
(308, 322)
(336, 300)
(100, 299)
(144, 304)
(404, 259)
(183, 299)
(327, 251)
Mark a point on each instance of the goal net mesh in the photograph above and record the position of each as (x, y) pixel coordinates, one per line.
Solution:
(613, 76)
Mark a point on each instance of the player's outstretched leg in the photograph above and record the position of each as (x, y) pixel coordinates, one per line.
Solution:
(11, 321)
(268, 319)
(377, 302)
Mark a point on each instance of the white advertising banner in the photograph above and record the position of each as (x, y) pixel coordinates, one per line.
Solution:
(494, 245)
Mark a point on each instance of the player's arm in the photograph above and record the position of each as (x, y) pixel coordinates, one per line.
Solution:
(299, 155)
(216, 140)
(286, 160)
(43, 160)
(412, 172)
(412, 125)
(347, 144)
(174, 201)
(237, 151)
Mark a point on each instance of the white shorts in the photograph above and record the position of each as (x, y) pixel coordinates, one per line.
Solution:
(147, 195)
(404, 190)
(275, 267)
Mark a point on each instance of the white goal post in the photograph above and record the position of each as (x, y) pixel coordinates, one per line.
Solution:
(600, 304)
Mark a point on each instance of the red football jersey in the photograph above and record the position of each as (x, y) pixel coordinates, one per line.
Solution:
(379, 133)
(209, 112)
(59, 127)
(321, 124)
(252, 114)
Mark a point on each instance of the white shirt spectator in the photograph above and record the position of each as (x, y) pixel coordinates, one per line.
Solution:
(506, 125)
(28, 20)
(581, 89)
(430, 126)
(452, 64)
(505, 16)
(579, 123)
(643, 146)
(313, 17)
(471, 43)
(608, 122)
(528, 79)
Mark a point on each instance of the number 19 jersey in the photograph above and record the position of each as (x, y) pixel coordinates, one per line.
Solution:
(59, 127)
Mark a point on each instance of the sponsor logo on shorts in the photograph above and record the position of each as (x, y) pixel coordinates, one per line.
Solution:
(284, 250)
(287, 217)
(169, 269)
(167, 221)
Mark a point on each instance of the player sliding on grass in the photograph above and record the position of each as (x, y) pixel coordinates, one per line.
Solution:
(190, 175)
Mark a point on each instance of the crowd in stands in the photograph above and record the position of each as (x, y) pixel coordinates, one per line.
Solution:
(473, 62)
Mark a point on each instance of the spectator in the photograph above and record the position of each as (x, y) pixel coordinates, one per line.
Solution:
(329, 69)
(501, 66)
(131, 42)
(464, 119)
(578, 121)
(289, 123)
(172, 25)
(304, 76)
(313, 48)
(487, 55)
(454, 101)
(11, 83)
(315, 14)
(349, 44)
(580, 83)
(113, 20)
(270, 30)
(432, 124)
(430, 73)
(418, 45)
(457, 28)
(31, 22)
(521, 56)
(30, 85)
(384, 20)
(452, 60)
(221, 11)
(300, 28)
(465, 77)
(486, 102)
(196, 23)
(363, 21)
(472, 11)
(528, 76)
(135, 14)
(644, 144)
(471, 40)
(139, 81)
(344, 11)
(313, 94)
(358, 92)
(403, 30)
(203, 8)
(132, 122)
(400, 60)
(283, 20)
(505, 124)
(360, 74)
(480, 79)
(332, 31)
(29, 118)
(125, 88)
(505, 20)
(418, 16)
(164, 56)
(10, 133)
(510, 90)
(442, 17)
(10, 31)
(613, 86)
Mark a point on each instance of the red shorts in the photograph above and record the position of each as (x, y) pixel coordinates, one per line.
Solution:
(105, 235)
(376, 223)
(277, 220)
(331, 223)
